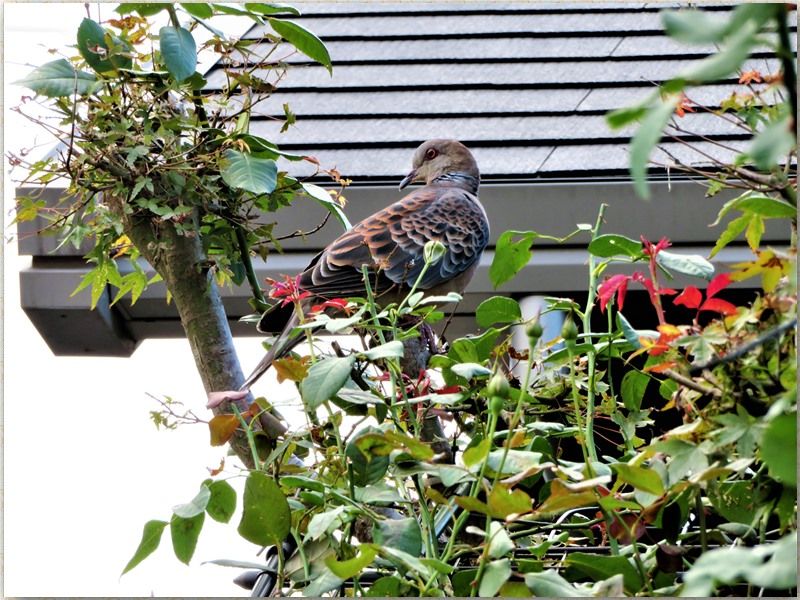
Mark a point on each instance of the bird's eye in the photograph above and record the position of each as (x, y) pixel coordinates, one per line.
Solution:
(431, 153)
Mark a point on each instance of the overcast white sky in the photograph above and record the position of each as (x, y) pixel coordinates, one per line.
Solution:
(84, 468)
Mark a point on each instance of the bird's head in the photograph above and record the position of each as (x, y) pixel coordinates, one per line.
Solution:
(436, 158)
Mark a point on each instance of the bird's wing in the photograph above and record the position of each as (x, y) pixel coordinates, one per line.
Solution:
(391, 243)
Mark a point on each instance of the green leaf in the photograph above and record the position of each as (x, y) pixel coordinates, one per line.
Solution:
(495, 575)
(694, 26)
(755, 229)
(185, 533)
(498, 309)
(599, 568)
(477, 453)
(631, 335)
(764, 206)
(402, 534)
(616, 119)
(145, 9)
(179, 52)
(324, 198)
(302, 39)
(222, 503)
(771, 145)
(503, 501)
(736, 501)
(470, 370)
(721, 64)
(641, 478)
(271, 9)
(201, 10)
(322, 523)
(732, 231)
(777, 448)
(151, 538)
(196, 506)
(266, 517)
(323, 581)
(246, 172)
(608, 245)
(693, 265)
(552, 585)
(324, 379)
(772, 566)
(393, 349)
(368, 466)
(92, 46)
(634, 384)
(59, 78)
(510, 256)
(645, 139)
(347, 569)
(500, 543)
(388, 586)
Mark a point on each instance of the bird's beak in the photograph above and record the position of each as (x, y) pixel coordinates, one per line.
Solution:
(408, 179)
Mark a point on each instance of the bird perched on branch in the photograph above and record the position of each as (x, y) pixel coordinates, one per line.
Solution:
(391, 241)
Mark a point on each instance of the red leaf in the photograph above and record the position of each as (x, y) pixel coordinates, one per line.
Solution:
(615, 284)
(624, 527)
(689, 297)
(720, 306)
(720, 282)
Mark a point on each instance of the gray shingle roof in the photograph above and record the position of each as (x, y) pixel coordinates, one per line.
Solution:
(525, 85)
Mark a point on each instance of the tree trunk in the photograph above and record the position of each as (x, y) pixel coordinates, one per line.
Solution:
(182, 263)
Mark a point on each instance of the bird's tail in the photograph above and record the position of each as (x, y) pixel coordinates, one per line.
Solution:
(280, 348)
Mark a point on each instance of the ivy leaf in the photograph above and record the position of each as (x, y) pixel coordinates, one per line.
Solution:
(510, 256)
(59, 78)
(194, 507)
(498, 309)
(641, 478)
(495, 575)
(222, 502)
(302, 39)
(151, 538)
(244, 171)
(179, 52)
(266, 517)
(645, 139)
(185, 533)
(324, 379)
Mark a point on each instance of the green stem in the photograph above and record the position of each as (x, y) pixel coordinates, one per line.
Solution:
(587, 328)
(251, 439)
(576, 403)
(701, 518)
(244, 254)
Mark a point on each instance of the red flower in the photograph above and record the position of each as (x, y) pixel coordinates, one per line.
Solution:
(337, 303)
(691, 297)
(289, 290)
(616, 284)
(651, 249)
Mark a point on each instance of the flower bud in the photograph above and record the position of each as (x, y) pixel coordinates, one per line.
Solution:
(434, 251)
(498, 386)
(496, 404)
(569, 331)
(534, 331)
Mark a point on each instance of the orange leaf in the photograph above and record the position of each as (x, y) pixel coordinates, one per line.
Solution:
(291, 369)
(222, 428)
(661, 367)
(218, 470)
